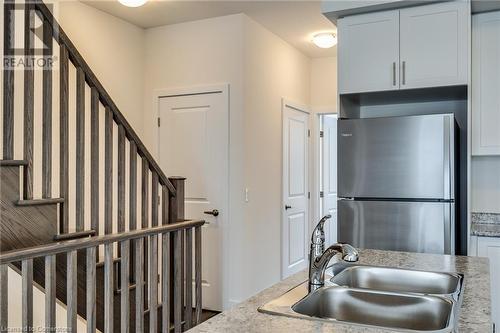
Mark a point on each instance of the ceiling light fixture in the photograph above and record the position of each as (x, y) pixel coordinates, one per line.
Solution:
(325, 40)
(132, 3)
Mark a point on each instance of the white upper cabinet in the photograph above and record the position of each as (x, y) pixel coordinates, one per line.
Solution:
(418, 47)
(434, 41)
(369, 52)
(486, 84)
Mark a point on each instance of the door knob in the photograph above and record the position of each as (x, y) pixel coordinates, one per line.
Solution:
(287, 207)
(213, 212)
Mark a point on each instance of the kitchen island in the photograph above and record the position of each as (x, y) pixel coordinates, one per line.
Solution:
(475, 314)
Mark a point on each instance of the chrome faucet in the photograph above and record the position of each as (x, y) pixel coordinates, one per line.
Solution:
(319, 257)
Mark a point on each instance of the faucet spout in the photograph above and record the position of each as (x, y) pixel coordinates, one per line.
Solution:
(317, 267)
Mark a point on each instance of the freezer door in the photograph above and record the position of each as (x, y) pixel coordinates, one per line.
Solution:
(396, 157)
(400, 226)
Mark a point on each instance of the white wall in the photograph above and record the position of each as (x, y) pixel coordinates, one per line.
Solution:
(324, 84)
(114, 50)
(261, 69)
(272, 70)
(485, 184)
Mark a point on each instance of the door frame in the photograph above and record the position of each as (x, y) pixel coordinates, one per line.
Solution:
(305, 109)
(224, 89)
(315, 163)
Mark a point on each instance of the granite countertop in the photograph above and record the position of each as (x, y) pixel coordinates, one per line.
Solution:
(475, 315)
(485, 224)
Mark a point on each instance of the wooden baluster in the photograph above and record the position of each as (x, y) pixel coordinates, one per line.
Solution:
(197, 270)
(80, 149)
(176, 208)
(108, 288)
(133, 203)
(164, 198)
(108, 173)
(124, 286)
(64, 138)
(29, 87)
(145, 193)
(47, 112)
(27, 295)
(50, 292)
(165, 280)
(121, 178)
(71, 291)
(153, 283)
(4, 298)
(139, 289)
(188, 315)
(154, 199)
(91, 289)
(178, 281)
(94, 160)
(8, 81)
(145, 212)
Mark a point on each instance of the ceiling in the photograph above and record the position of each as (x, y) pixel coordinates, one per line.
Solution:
(292, 20)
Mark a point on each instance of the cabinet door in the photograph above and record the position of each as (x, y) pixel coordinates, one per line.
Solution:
(369, 52)
(434, 45)
(486, 84)
(490, 247)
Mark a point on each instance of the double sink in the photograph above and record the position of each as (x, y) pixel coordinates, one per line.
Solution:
(389, 298)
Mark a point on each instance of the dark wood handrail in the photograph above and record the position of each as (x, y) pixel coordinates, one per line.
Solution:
(79, 244)
(77, 59)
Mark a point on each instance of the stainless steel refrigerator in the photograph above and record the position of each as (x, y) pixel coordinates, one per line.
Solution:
(396, 183)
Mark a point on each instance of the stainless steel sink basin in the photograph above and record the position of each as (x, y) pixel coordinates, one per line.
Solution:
(390, 298)
(390, 310)
(398, 280)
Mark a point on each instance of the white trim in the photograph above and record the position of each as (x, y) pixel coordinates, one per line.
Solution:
(224, 89)
(315, 165)
(301, 108)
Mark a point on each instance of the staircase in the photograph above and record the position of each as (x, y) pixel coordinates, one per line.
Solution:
(112, 245)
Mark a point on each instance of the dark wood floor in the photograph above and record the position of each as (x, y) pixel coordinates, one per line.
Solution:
(207, 314)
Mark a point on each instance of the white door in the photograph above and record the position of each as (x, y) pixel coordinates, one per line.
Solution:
(486, 84)
(369, 52)
(490, 247)
(295, 221)
(329, 176)
(193, 142)
(434, 45)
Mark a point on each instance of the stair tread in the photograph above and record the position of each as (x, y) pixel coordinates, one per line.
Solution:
(13, 162)
(38, 202)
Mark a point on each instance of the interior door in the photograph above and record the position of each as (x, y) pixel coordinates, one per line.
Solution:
(193, 142)
(329, 175)
(369, 52)
(434, 45)
(295, 224)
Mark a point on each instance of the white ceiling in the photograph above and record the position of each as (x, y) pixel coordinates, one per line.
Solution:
(292, 20)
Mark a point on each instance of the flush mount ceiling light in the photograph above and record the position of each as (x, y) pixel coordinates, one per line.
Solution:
(132, 3)
(325, 40)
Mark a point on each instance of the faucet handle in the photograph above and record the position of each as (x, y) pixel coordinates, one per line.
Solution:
(318, 235)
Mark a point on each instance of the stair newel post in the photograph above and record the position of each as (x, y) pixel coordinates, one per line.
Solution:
(176, 214)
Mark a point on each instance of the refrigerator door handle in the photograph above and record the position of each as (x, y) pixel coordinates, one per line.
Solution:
(447, 172)
(449, 229)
